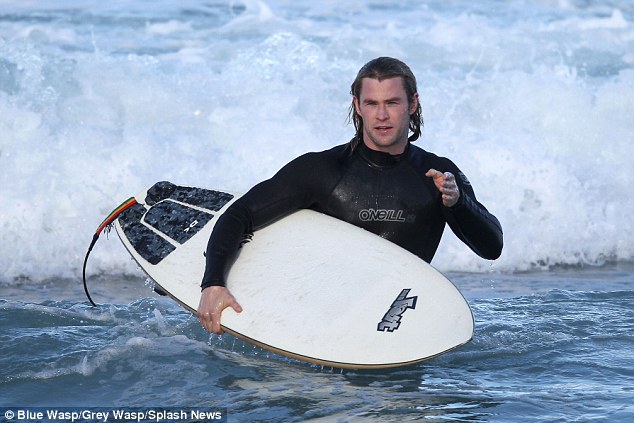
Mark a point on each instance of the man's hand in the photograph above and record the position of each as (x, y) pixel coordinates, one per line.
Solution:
(213, 300)
(446, 184)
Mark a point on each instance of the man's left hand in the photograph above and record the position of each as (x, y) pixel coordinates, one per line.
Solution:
(446, 184)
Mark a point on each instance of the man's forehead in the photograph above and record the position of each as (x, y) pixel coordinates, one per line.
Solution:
(385, 82)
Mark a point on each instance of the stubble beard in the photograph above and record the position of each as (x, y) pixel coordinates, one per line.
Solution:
(388, 145)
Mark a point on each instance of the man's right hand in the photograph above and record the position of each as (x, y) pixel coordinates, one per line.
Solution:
(213, 300)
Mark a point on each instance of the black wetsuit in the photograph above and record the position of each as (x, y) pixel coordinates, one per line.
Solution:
(387, 195)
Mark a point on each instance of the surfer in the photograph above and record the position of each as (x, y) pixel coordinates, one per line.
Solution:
(378, 181)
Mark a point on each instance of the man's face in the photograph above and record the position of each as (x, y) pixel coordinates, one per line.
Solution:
(385, 111)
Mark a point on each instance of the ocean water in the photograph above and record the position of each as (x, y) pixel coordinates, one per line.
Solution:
(534, 100)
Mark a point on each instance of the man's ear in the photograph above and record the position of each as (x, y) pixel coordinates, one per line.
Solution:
(355, 101)
(414, 105)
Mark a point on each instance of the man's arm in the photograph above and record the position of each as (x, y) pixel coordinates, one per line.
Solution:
(295, 186)
(222, 249)
(477, 228)
(467, 218)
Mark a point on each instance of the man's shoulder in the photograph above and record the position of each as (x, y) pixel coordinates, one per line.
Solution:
(329, 160)
(335, 153)
(423, 158)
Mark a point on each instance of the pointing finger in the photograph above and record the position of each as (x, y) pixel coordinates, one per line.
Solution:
(433, 173)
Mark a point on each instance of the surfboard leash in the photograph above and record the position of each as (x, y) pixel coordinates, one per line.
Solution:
(106, 224)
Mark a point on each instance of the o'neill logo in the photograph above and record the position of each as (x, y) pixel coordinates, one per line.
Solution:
(392, 319)
(381, 215)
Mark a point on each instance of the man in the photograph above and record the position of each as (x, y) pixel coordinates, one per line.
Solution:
(377, 181)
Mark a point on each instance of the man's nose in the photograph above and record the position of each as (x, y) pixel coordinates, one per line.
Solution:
(381, 112)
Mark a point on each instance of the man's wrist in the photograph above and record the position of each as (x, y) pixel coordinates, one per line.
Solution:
(213, 282)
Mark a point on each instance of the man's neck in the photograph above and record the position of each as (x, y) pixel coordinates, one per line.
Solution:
(394, 149)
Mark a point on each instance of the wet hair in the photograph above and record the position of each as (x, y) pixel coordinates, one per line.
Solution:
(383, 68)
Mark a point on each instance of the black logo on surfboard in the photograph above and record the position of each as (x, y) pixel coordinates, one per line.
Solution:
(392, 319)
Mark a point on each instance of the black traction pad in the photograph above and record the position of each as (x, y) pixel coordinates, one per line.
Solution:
(176, 221)
(200, 197)
(150, 245)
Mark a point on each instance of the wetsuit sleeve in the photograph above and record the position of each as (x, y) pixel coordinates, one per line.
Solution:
(292, 188)
(229, 232)
(472, 222)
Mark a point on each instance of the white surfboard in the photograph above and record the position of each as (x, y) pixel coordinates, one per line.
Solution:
(312, 287)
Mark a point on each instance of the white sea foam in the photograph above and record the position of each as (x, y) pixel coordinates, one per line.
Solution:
(533, 100)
